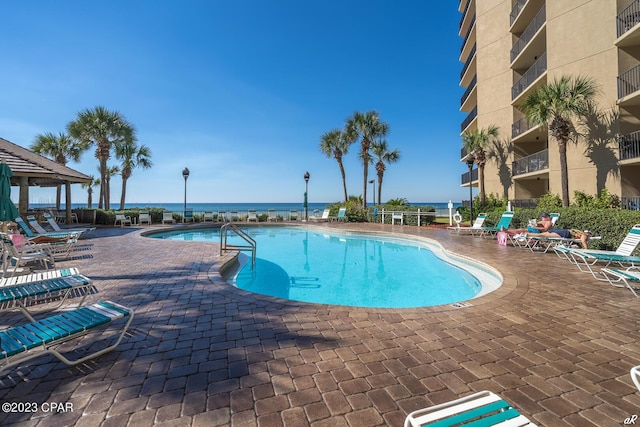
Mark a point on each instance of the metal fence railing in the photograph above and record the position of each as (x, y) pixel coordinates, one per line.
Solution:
(536, 70)
(528, 33)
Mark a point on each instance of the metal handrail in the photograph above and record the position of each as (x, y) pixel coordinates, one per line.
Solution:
(240, 233)
(529, 32)
(536, 70)
(628, 18)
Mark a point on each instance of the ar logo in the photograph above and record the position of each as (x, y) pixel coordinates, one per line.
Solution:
(631, 420)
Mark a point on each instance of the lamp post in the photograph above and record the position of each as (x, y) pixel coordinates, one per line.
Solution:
(185, 175)
(373, 191)
(306, 189)
(470, 162)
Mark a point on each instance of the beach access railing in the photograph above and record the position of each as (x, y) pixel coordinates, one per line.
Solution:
(418, 217)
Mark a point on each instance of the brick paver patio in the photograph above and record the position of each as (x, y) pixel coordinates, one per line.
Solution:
(554, 342)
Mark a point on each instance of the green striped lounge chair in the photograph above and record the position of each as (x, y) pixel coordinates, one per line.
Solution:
(23, 343)
(504, 223)
(480, 409)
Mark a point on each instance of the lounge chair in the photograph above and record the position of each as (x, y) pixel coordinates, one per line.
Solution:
(324, 217)
(342, 215)
(475, 227)
(222, 216)
(616, 276)
(503, 224)
(144, 218)
(37, 289)
(585, 259)
(235, 216)
(167, 217)
(14, 256)
(397, 216)
(187, 216)
(23, 343)
(56, 228)
(635, 376)
(252, 215)
(41, 231)
(293, 215)
(122, 219)
(207, 216)
(272, 215)
(484, 409)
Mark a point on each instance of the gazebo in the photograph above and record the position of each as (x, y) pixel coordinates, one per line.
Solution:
(31, 169)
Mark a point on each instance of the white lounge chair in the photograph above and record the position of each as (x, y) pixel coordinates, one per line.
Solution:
(635, 376)
(272, 215)
(617, 276)
(167, 218)
(56, 228)
(324, 217)
(122, 219)
(41, 231)
(23, 343)
(144, 218)
(484, 408)
(222, 216)
(16, 256)
(235, 216)
(207, 216)
(252, 215)
(293, 215)
(475, 227)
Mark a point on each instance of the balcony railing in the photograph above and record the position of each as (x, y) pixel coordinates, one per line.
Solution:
(464, 42)
(628, 18)
(629, 82)
(631, 203)
(533, 163)
(464, 13)
(468, 62)
(467, 92)
(517, 8)
(472, 115)
(528, 33)
(536, 70)
(474, 176)
(525, 203)
(629, 146)
(519, 127)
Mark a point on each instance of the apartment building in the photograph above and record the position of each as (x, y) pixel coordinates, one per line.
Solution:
(510, 48)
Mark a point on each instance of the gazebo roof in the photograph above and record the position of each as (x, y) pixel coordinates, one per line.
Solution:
(42, 172)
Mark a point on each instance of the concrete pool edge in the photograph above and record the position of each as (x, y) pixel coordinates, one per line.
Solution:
(510, 285)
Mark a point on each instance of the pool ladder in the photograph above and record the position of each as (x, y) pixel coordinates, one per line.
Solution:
(224, 246)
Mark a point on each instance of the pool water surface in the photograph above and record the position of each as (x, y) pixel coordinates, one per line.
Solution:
(315, 265)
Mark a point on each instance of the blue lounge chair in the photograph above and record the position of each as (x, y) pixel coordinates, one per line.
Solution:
(30, 234)
(342, 214)
(504, 223)
(482, 409)
(22, 343)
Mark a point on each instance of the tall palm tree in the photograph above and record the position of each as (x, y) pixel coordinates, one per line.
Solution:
(476, 143)
(102, 128)
(132, 156)
(335, 144)
(381, 150)
(61, 148)
(367, 127)
(111, 171)
(89, 186)
(555, 104)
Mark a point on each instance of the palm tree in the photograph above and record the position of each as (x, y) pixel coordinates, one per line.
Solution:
(367, 127)
(381, 151)
(475, 142)
(132, 156)
(555, 104)
(61, 148)
(111, 171)
(335, 144)
(89, 186)
(102, 128)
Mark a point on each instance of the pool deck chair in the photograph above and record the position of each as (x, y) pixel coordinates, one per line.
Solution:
(505, 222)
(222, 216)
(40, 231)
(31, 290)
(14, 257)
(56, 228)
(20, 344)
(122, 219)
(481, 409)
(252, 215)
(616, 277)
(207, 216)
(144, 218)
(397, 216)
(342, 215)
(324, 217)
(635, 376)
(235, 216)
(272, 215)
(476, 227)
(167, 218)
(293, 215)
(187, 216)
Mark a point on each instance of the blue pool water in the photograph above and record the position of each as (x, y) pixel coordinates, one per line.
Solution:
(316, 265)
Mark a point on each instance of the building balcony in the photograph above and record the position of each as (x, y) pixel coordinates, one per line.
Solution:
(465, 67)
(469, 119)
(627, 21)
(629, 146)
(534, 163)
(464, 19)
(529, 34)
(530, 76)
(522, 132)
(466, 180)
(628, 87)
(522, 14)
(466, 96)
(466, 46)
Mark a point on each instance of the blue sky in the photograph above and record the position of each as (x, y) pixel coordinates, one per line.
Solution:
(240, 92)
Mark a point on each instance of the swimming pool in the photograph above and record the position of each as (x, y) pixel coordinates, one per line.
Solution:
(317, 265)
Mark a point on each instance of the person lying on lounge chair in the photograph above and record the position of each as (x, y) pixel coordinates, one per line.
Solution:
(559, 233)
(542, 226)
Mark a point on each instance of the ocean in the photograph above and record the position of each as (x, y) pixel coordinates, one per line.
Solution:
(441, 207)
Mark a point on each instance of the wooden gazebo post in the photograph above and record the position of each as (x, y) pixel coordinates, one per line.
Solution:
(23, 202)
